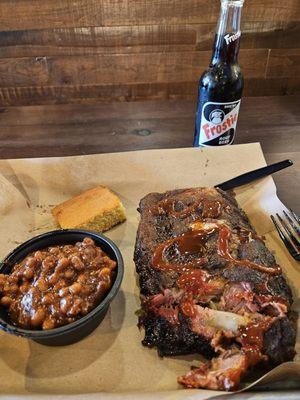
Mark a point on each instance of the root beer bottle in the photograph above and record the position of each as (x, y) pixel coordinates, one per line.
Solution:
(221, 85)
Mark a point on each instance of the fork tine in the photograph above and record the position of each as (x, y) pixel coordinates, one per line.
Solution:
(287, 243)
(289, 232)
(295, 215)
(292, 223)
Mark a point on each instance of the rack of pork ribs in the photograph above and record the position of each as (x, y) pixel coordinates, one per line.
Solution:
(209, 285)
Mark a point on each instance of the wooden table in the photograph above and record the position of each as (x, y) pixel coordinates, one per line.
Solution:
(58, 130)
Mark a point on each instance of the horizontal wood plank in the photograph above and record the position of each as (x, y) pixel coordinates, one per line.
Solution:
(134, 92)
(119, 68)
(272, 86)
(24, 14)
(98, 40)
(271, 35)
(255, 34)
(283, 63)
(81, 114)
(62, 130)
(94, 93)
(266, 35)
(140, 39)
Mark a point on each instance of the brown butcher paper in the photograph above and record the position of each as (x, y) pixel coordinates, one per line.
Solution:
(111, 363)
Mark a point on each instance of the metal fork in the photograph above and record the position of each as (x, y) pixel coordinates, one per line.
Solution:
(290, 233)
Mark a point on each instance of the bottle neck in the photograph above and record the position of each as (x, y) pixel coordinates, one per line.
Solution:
(227, 40)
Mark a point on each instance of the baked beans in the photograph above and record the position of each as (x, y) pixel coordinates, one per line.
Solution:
(57, 285)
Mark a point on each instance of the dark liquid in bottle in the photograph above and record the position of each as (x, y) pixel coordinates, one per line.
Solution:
(222, 82)
(223, 79)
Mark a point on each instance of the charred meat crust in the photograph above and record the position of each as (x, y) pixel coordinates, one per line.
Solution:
(154, 230)
(279, 340)
(173, 340)
(276, 285)
(180, 337)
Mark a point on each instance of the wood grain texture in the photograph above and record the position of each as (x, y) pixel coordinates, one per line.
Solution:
(99, 50)
(119, 68)
(98, 40)
(69, 129)
(115, 126)
(34, 14)
(96, 128)
(283, 63)
(140, 39)
(134, 92)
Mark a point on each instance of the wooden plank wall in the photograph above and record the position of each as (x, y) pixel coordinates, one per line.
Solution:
(60, 51)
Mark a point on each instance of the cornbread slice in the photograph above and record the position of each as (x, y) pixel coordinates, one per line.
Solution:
(96, 209)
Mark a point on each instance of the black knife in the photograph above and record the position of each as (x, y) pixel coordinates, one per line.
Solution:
(254, 175)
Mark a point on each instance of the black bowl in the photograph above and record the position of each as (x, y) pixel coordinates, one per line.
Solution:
(77, 330)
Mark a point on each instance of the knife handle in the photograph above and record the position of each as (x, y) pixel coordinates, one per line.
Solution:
(254, 175)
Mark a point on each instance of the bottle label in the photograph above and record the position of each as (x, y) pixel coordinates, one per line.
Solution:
(232, 38)
(218, 123)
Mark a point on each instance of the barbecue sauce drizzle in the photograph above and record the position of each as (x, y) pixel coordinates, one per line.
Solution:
(224, 236)
(252, 340)
(193, 242)
(189, 243)
(251, 336)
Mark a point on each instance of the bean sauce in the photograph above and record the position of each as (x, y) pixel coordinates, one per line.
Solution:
(57, 285)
